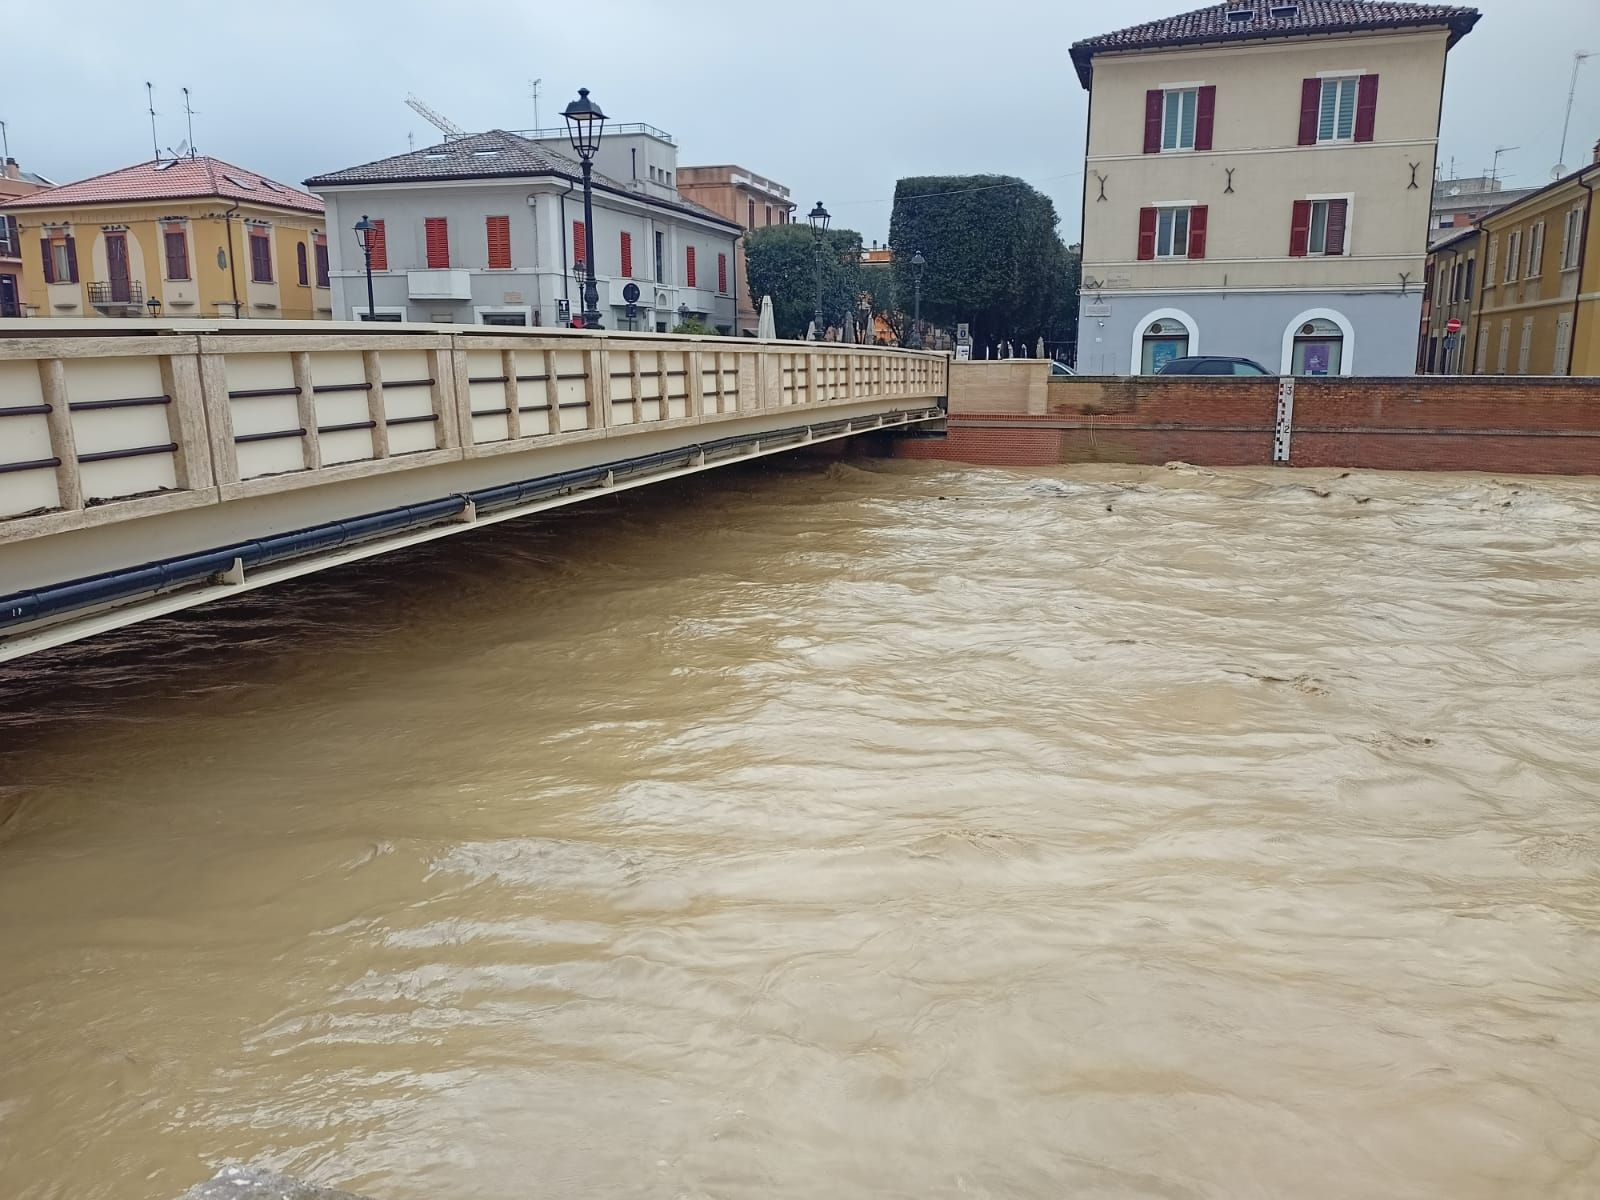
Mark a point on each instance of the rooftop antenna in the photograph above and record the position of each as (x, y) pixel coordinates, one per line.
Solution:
(533, 88)
(1578, 59)
(5, 142)
(150, 95)
(411, 140)
(1494, 172)
(189, 113)
(443, 124)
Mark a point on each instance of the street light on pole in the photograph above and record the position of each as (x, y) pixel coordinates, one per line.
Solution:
(819, 218)
(917, 265)
(585, 124)
(364, 228)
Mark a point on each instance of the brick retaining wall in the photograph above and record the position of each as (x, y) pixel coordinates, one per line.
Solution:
(1437, 423)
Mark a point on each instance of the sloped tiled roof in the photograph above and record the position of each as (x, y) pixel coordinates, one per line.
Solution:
(174, 179)
(1273, 19)
(492, 155)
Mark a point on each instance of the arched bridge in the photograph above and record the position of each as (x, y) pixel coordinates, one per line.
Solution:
(146, 468)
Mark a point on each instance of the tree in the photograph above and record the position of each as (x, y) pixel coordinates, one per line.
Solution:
(781, 262)
(995, 260)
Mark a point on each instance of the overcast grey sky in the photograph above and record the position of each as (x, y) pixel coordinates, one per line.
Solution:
(837, 100)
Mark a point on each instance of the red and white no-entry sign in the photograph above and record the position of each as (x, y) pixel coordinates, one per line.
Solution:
(1453, 325)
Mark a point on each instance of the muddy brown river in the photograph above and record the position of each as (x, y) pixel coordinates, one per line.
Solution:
(873, 830)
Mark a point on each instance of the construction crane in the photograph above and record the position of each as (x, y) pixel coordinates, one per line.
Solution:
(443, 124)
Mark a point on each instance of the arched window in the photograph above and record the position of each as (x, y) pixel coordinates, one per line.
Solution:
(1318, 348)
(1165, 339)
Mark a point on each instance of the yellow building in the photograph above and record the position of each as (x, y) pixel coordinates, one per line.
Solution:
(1538, 310)
(185, 237)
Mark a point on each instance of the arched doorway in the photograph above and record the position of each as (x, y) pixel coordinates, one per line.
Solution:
(1161, 337)
(1319, 342)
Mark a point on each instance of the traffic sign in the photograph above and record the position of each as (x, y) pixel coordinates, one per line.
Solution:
(1453, 325)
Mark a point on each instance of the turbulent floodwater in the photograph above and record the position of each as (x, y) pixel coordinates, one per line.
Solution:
(892, 830)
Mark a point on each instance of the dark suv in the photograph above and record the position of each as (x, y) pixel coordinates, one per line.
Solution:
(1202, 364)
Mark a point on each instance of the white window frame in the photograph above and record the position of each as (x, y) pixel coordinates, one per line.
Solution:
(1493, 262)
(1504, 359)
(1535, 251)
(1483, 350)
(479, 310)
(1176, 92)
(1347, 352)
(1162, 314)
(1560, 364)
(1339, 82)
(1166, 214)
(1513, 255)
(61, 262)
(1525, 347)
(1349, 224)
(1572, 240)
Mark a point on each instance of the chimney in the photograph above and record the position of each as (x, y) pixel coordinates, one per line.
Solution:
(12, 170)
(1597, 152)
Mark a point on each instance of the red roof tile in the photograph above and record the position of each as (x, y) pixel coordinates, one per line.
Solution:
(175, 179)
(1273, 19)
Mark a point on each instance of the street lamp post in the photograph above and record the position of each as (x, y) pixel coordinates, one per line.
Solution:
(154, 305)
(585, 124)
(819, 218)
(917, 265)
(364, 229)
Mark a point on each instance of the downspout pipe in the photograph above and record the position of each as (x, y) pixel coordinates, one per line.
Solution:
(233, 266)
(566, 267)
(1587, 182)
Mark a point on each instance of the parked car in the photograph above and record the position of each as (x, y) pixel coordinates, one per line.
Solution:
(1206, 364)
(1059, 370)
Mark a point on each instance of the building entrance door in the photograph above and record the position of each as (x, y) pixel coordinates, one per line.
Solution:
(9, 306)
(117, 268)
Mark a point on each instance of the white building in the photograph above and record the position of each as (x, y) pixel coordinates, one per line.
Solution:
(488, 229)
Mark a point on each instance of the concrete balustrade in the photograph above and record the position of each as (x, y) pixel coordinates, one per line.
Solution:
(133, 443)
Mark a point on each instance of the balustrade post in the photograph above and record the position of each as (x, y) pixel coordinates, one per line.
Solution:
(377, 411)
(63, 443)
(508, 368)
(219, 418)
(306, 406)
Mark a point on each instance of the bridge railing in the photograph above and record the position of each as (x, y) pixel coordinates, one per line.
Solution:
(97, 428)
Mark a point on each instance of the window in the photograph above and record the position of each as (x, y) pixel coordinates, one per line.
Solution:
(1319, 227)
(661, 258)
(752, 222)
(1172, 232)
(260, 255)
(1164, 340)
(60, 258)
(10, 236)
(769, 214)
(1455, 281)
(1179, 119)
(1505, 346)
(1563, 345)
(1483, 350)
(1494, 257)
(378, 244)
(580, 244)
(722, 274)
(1318, 348)
(1336, 119)
(688, 267)
(1466, 288)
(1571, 239)
(1525, 348)
(627, 255)
(436, 238)
(1513, 254)
(175, 249)
(1535, 251)
(302, 264)
(322, 260)
(783, 216)
(1342, 109)
(497, 234)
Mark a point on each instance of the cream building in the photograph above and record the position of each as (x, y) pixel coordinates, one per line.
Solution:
(1258, 183)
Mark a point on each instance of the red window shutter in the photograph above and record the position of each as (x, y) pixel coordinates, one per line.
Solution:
(72, 259)
(1338, 221)
(1147, 234)
(436, 232)
(1367, 108)
(49, 264)
(1197, 231)
(302, 263)
(1155, 102)
(1300, 230)
(580, 245)
(498, 233)
(379, 241)
(176, 248)
(689, 264)
(1310, 110)
(1205, 119)
(722, 273)
(627, 255)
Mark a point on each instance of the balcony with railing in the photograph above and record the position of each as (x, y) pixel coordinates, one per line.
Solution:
(124, 295)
